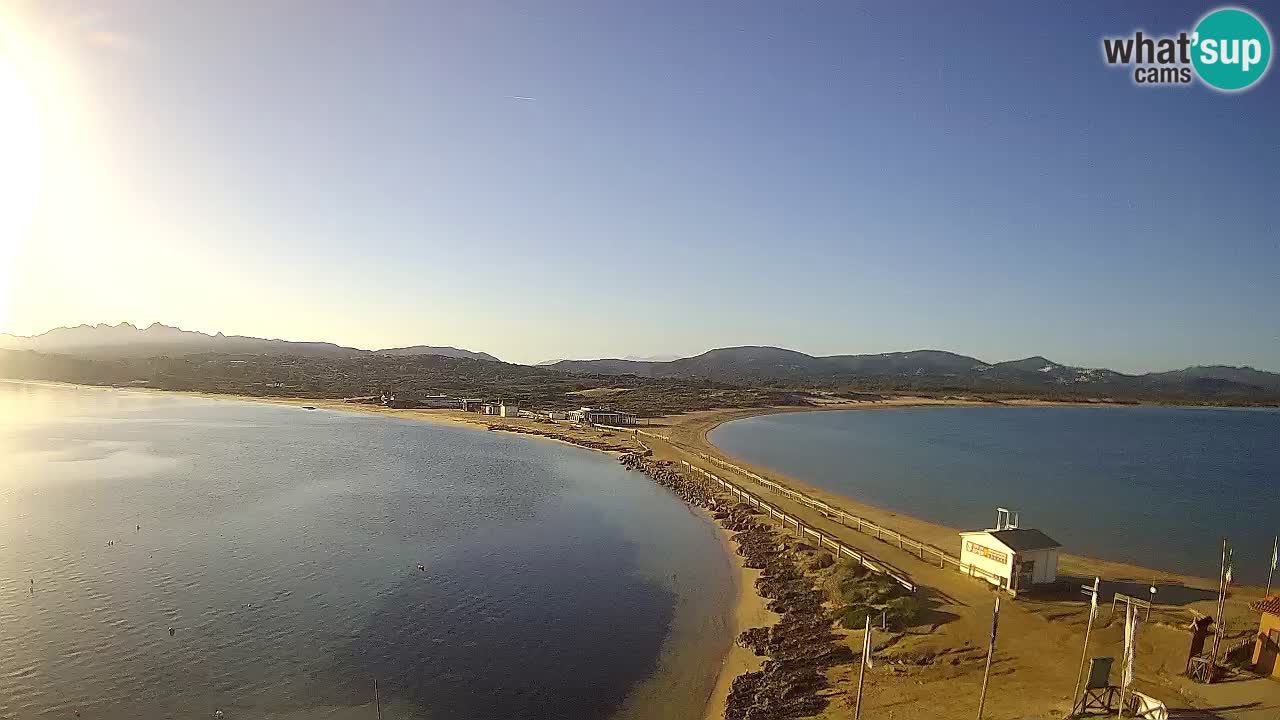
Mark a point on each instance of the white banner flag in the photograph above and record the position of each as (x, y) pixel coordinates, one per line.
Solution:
(866, 644)
(1131, 623)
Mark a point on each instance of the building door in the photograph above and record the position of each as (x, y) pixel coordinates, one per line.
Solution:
(1270, 650)
(1024, 572)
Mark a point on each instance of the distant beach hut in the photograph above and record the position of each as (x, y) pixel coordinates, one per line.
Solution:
(598, 416)
(1007, 556)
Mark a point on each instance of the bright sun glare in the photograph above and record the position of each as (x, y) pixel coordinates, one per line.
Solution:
(20, 155)
(22, 152)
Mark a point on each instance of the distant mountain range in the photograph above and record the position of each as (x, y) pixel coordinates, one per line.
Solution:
(633, 358)
(930, 370)
(126, 340)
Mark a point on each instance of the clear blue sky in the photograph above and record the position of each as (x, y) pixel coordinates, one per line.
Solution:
(831, 177)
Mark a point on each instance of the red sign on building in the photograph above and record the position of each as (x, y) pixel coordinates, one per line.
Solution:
(986, 552)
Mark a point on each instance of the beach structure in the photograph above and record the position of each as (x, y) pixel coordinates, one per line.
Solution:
(1012, 558)
(508, 410)
(1266, 648)
(598, 416)
(1102, 698)
(437, 402)
(471, 404)
(490, 408)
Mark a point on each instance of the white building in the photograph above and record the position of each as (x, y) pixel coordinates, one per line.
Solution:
(597, 416)
(508, 410)
(1013, 558)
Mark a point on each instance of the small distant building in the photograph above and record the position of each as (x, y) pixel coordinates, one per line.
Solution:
(557, 415)
(1013, 558)
(490, 408)
(597, 416)
(471, 404)
(508, 410)
(1266, 649)
(437, 402)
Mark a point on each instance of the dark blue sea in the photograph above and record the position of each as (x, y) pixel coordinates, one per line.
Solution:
(1157, 487)
(282, 546)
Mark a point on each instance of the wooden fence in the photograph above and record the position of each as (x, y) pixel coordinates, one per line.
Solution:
(802, 531)
(924, 551)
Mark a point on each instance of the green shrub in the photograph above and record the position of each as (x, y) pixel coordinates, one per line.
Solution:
(821, 561)
(854, 617)
(870, 590)
(848, 569)
(902, 612)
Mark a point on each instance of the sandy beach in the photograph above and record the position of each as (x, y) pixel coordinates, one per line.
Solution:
(1041, 637)
(748, 611)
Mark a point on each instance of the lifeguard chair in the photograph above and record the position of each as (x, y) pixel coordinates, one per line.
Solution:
(1099, 693)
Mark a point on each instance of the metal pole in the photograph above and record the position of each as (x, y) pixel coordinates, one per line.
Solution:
(377, 700)
(1275, 547)
(862, 673)
(1084, 654)
(991, 649)
(1128, 610)
(1222, 601)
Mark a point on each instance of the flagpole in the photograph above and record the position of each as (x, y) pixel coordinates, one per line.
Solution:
(1084, 654)
(1275, 555)
(1129, 642)
(991, 650)
(1227, 560)
(862, 674)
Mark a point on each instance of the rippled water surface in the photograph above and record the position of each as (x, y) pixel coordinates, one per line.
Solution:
(1153, 486)
(282, 545)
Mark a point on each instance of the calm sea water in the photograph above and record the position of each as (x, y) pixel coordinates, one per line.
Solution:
(1152, 486)
(282, 546)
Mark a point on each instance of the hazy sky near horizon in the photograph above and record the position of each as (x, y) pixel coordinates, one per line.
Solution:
(601, 178)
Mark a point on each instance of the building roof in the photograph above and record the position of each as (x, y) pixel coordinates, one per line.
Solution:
(1019, 539)
(1271, 605)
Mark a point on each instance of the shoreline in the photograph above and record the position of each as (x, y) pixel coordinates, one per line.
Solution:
(747, 607)
(748, 611)
(1039, 630)
(692, 430)
(1041, 633)
(929, 664)
(694, 433)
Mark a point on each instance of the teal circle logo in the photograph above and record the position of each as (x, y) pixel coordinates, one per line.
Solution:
(1231, 49)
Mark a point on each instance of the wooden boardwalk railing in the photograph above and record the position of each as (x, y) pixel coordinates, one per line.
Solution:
(802, 531)
(924, 551)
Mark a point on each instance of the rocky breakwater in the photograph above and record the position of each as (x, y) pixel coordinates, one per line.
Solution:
(802, 646)
(667, 474)
(562, 437)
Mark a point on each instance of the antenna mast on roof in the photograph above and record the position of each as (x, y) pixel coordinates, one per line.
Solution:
(1006, 519)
